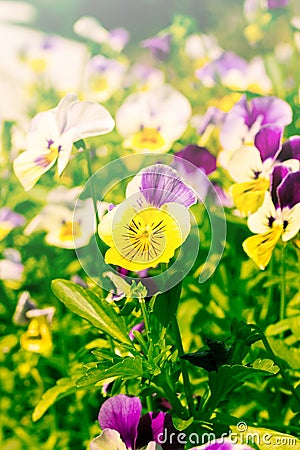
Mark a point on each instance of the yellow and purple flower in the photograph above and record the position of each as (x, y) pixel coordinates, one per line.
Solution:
(52, 134)
(277, 218)
(123, 427)
(151, 223)
(241, 124)
(151, 121)
(251, 166)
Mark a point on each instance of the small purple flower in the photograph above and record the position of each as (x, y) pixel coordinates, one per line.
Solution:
(160, 46)
(215, 70)
(118, 38)
(121, 423)
(275, 4)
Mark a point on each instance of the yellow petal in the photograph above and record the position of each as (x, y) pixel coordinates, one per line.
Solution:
(37, 338)
(249, 196)
(260, 247)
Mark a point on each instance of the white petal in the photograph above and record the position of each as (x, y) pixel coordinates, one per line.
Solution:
(244, 163)
(87, 119)
(258, 222)
(28, 171)
(62, 110)
(108, 440)
(181, 215)
(89, 28)
(293, 223)
(66, 143)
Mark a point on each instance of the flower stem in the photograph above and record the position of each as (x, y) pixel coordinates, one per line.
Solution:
(283, 285)
(145, 313)
(91, 184)
(185, 375)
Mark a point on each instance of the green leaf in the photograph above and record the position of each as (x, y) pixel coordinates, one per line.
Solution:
(266, 365)
(87, 305)
(130, 367)
(166, 304)
(64, 386)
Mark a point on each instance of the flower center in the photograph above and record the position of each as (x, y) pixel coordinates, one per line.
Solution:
(99, 83)
(148, 138)
(48, 158)
(70, 231)
(37, 65)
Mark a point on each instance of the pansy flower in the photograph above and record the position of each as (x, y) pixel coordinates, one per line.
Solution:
(151, 223)
(38, 338)
(144, 77)
(251, 167)
(160, 45)
(103, 77)
(11, 267)
(64, 228)
(241, 124)
(202, 48)
(151, 121)
(52, 134)
(123, 428)
(90, 28)
(236, 73)
(278, 217)
(8, 221)
(25, 304)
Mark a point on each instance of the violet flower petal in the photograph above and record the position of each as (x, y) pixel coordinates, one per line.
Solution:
(290, 149)
(267, 141)
(160, 184)
(278, 174)
(199, 157)
(289, 190)
(122, 413)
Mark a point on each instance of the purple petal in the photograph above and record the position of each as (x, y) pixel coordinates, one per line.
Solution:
(219, 68)
(138, 327)
(160, 184)
(267, 140)
(290, 149)
(199, 157)
(272, 110)
(158, 427)
(274, 4)
(122, 413)
(119, 37)
(277, 176)
(7, 215)
(213, 116)
(289, 190)
(160, 46)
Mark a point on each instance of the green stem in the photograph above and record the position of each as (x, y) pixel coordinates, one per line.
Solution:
(145, 313)
(149, 403)
(278, 363)
(283, 285)
(91, 184)
(185, 375)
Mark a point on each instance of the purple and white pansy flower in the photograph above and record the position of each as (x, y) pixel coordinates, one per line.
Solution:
(251, 166)
(278, 217)
(52, 134)
(123, 427)
(242, 123)
(151, 121)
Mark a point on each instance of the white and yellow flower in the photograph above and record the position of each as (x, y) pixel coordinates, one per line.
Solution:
(151, 121)
(52, 134)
